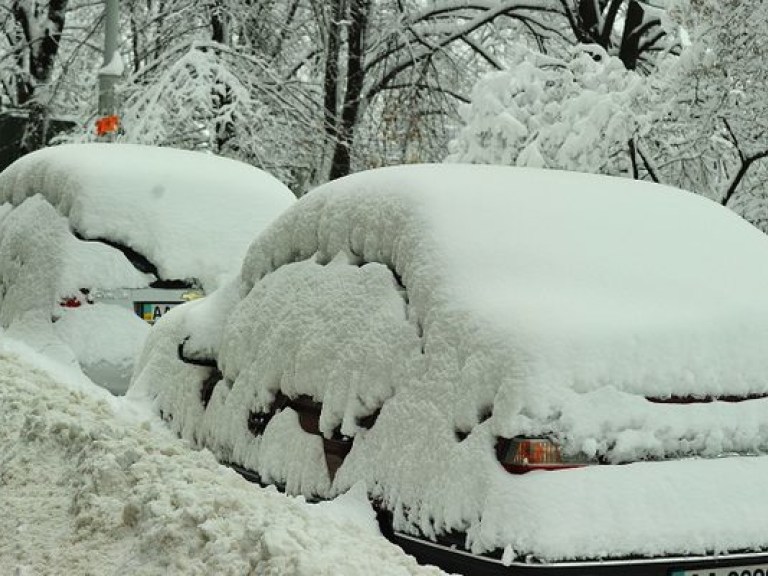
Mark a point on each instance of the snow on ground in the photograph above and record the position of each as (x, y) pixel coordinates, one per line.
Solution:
(93, 484)
(469, 303)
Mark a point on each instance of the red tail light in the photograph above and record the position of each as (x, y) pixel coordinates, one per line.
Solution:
(77, 300)
(520, 455)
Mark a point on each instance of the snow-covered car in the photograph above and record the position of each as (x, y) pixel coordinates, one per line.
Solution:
(102, 239)
(530, 371)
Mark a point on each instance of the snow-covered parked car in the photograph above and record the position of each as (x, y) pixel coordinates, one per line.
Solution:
(531, 372)
(105, 238)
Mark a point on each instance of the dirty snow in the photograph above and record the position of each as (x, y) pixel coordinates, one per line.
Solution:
(93, 484)
(471, 302)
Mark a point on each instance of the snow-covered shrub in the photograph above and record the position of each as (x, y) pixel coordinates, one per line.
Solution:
(185, 102)
(576, 113)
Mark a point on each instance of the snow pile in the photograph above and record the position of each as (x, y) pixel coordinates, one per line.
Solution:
(191, 214)
(90, 490)
(468, 303)
(41, 262)
(31, 249)
(105, 339)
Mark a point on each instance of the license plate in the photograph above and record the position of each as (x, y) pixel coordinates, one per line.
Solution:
(751, 570)
(151, 311)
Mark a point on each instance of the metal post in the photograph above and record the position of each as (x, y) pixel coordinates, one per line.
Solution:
(112, 68)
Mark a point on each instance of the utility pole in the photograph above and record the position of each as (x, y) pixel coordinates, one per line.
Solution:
(112, 69)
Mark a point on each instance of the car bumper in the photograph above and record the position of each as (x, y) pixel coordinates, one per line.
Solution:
(452, 559)
(148, 303)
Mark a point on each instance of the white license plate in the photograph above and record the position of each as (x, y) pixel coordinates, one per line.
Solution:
(151, 311)
(751, 570)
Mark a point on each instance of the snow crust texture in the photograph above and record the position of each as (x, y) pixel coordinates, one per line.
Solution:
(88, 490)
(460, 304)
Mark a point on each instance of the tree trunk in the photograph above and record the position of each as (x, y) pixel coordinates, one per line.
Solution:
(331, 78)
(588, 19)
(36, 131)
(42, 55)
(634, 29)
(222, 97)
(342, 159)
(218, 22)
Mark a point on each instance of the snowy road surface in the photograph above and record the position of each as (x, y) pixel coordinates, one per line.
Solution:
(92, 486)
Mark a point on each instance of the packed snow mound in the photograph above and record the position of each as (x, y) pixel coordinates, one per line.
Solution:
(88, 490)
(102, 332)
(164, 203)
(105, 339)
(461, 304)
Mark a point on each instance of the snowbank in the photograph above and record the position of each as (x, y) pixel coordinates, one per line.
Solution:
(90, 488)
(191, 214)
(467, 303)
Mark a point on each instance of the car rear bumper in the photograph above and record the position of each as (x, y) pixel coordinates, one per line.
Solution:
(148, 303)
(452, 559)
(449, 555)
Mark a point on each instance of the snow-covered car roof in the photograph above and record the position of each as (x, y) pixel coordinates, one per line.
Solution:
(166, 204)
(585, 280)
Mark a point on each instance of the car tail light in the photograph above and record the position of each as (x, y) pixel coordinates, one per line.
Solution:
(520, 455)
(70, 302)
(84, 297)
